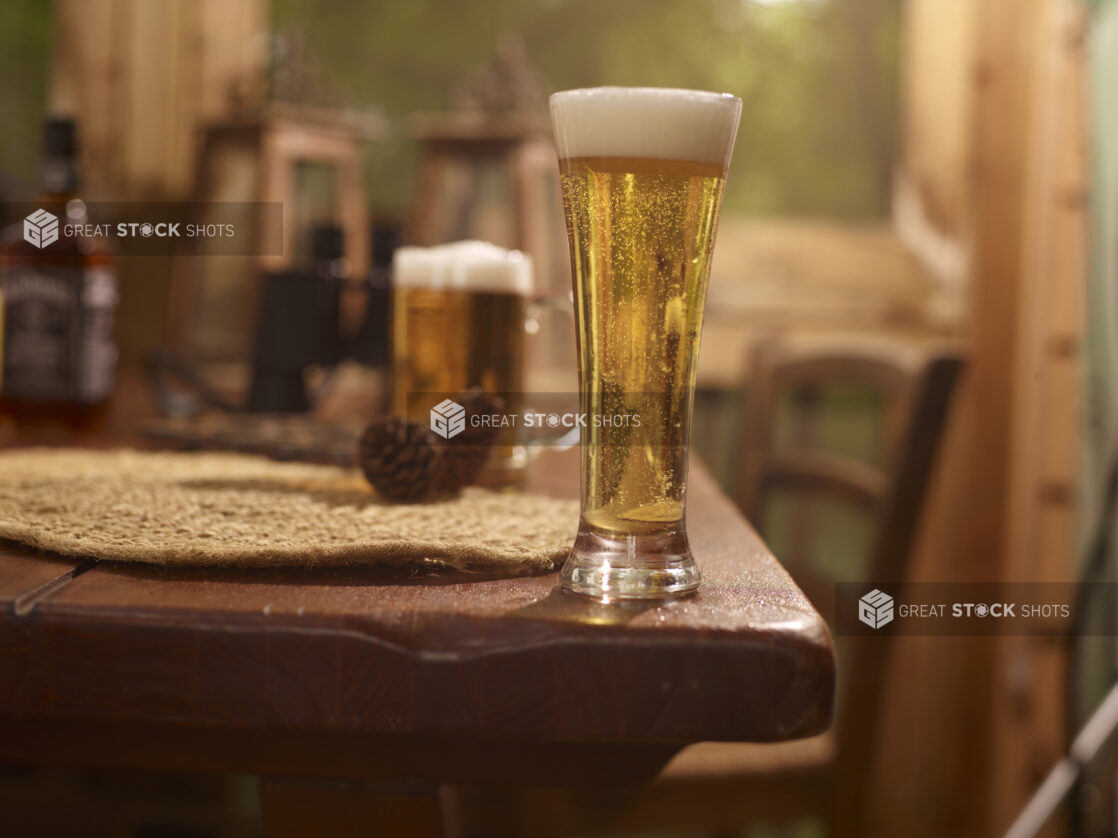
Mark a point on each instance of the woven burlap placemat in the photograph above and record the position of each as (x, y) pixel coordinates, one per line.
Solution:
(240, 510)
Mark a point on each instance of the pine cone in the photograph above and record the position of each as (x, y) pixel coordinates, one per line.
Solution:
(401, 458)
(465, 455)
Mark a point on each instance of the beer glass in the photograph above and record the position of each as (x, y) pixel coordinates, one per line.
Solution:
(459, 313)
(460, 316)
(420, 319)
(642, 172)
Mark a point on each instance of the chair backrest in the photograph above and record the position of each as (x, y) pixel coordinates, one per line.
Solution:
(915, 387)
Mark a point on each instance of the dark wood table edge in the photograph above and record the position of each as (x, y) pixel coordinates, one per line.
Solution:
(425, 755)
(329, 755)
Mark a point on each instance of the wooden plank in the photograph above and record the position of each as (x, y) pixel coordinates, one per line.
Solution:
(232, 45)
(331, 755)
(143, 77)
(26, 575)
(151, 142)
(1029, 717)
(1003, 79)
(933, 184)
(87, 63)
(944, 693)
(369, 652)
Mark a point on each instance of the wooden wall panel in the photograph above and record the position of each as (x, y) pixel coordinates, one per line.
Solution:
(993, 167)
(1028, 728)
(932, 186)
(143, 77)
(936, 112)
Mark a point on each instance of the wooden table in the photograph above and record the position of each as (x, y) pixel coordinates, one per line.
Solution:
(369, 674)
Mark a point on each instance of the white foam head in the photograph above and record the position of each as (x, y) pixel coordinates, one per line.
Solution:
(480, 266)
(464, 266)
(418, 267)
(651, 122)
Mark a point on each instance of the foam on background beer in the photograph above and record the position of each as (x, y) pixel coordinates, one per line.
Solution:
(417, 267)
(486, 268)
(645, 122)
(464, 266)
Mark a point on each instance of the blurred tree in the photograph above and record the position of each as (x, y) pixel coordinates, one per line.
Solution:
(818, 78)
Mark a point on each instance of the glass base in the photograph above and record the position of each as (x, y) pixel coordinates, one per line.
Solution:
(630, 566)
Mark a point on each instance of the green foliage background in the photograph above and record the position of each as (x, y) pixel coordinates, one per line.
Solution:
(818, 78)
(25, 30)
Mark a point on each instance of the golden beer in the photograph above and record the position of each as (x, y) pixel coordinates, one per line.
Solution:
(458, 322)
(642, 174)
(486, 341)
(640, 283)
(420, 319)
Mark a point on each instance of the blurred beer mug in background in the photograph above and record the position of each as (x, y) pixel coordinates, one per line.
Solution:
(489, 292)
(420, 313)
(461, 314)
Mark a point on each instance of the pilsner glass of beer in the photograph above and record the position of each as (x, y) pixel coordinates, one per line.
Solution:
(642, 173)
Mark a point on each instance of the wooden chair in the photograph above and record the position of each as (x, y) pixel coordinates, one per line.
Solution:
(724, 786)
(787, 383)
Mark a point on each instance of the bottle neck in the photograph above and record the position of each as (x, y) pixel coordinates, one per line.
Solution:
(60, 176)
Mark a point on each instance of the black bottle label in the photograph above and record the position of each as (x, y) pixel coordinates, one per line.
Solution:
(58, 324)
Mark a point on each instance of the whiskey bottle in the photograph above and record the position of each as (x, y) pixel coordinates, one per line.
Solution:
(59, 297)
